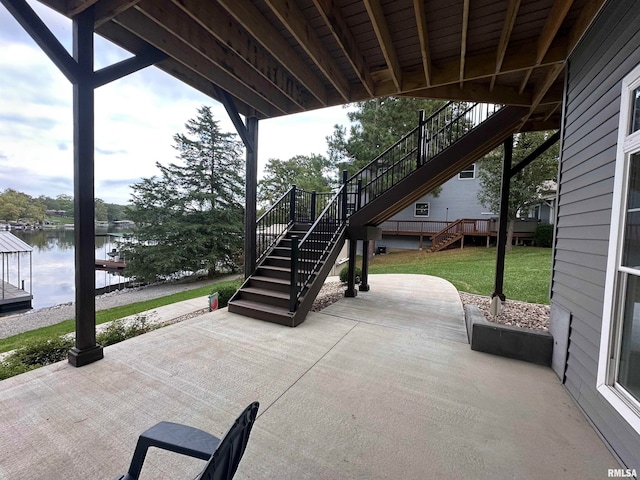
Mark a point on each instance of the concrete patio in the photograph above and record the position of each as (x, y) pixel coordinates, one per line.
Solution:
(382, 386)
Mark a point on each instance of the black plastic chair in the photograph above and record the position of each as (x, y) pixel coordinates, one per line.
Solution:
(223, 455)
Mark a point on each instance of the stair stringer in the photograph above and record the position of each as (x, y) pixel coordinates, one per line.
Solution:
(470, 148)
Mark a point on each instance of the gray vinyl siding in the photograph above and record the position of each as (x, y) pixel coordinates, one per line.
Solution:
(459, 196)
(610, 51)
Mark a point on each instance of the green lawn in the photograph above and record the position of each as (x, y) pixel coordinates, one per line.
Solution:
(68, 326)
(527, 269)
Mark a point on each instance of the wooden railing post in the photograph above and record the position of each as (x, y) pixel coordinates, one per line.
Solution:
(292, 205)
(293, 290)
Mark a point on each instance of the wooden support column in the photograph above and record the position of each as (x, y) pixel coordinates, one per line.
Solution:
(251, 193)
(504, 212)
(351, 273)
(86, 350)
(364, 279)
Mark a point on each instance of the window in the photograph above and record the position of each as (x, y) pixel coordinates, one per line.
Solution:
(468, 173)
(421, 209)
(619, 362)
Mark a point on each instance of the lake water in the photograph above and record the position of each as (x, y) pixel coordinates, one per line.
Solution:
(53, 265)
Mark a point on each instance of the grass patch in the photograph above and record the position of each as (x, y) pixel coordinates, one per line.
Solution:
(68, 326)
(527, 273)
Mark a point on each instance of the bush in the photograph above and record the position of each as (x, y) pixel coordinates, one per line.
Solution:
(43, 352)
(344, 273)
(117, 330)
(36, 353)
(225, 292)
(544, 236)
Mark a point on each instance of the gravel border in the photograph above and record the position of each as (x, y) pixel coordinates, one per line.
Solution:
(514, 313)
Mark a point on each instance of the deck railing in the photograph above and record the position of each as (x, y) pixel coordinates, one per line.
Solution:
(311, 251)
(432, 136)
(295, 206)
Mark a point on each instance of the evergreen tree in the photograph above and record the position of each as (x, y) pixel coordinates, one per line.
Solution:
(190, 216)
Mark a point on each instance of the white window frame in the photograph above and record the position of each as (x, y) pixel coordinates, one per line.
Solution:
(473, 175)
(628, 144)
(415, 206)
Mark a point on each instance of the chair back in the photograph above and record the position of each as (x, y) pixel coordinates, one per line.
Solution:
(224, 462)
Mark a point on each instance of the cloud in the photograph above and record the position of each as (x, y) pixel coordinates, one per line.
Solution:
(103, 151)
(34, 184)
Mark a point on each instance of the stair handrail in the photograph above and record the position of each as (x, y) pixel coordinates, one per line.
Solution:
(432, 135)
(273, 224)
(452, 228)
(311, 251)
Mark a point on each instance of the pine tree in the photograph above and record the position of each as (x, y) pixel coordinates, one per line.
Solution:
(190, 216)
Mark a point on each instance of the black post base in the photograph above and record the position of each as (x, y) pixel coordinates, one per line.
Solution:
(351, 293)
(364, 287)
(80, 358)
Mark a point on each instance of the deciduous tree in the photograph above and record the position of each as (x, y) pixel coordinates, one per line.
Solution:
(308, 172)
(525, 187)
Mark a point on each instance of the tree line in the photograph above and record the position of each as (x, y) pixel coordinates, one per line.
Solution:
(189, 217)
(17, 206)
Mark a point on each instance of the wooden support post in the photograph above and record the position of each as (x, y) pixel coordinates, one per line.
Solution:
(351, 280)
(364, 279)
(251, 194)
(86, 350)
(504, 212)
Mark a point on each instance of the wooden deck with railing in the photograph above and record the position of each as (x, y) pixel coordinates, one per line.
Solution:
(432, 229)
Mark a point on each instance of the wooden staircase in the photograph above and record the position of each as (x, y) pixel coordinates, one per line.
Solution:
(266, 295)
(297, 246)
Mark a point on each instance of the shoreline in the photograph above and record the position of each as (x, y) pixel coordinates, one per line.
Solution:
(14, 324)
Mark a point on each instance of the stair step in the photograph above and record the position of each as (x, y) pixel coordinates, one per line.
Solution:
(265, 292)
(261, 311)
(273, 271)
(270, 283)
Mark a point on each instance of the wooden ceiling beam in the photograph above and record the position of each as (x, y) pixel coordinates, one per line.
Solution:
(423, 35)
(555, 18)
(218, 23)
(507, 28)
(381, 29)
(293, 19)
(145, 28)
(475, 92)
(545, 84)
(247, 15)
(463, 41)
(335, 21)
(172, 20)
(74, 7)
(127, 40)
(107, 9)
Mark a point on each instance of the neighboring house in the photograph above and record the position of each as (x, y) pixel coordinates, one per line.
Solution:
(458, 198)
(413, 227)
(595, 290)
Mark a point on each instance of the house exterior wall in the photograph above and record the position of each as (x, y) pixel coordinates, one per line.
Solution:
(609, 51)
(458, 199)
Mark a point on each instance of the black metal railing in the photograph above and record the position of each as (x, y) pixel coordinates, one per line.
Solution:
(309, 253)
(295, 206)
(432, 136)
(273, 224)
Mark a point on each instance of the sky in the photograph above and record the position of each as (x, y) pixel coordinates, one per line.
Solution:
(136, 118)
